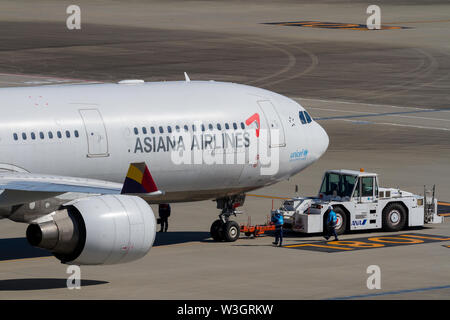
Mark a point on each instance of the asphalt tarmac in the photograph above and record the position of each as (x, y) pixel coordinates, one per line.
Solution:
(382, 96)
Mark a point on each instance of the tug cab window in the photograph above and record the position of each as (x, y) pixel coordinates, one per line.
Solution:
(335, 185)
(367, 186)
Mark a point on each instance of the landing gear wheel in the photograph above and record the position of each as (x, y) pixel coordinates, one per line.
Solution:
(231, 231)
(394, 217)
(216, 230)
(341, 223)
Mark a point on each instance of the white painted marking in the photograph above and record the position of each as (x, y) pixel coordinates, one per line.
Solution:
(363, 103)
(382, 115)
(398, 125)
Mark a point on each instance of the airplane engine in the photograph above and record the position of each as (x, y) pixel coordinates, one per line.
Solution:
(105, 229)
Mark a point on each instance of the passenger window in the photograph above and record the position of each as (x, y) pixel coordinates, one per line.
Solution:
(186, 128)
(367, 186)
(177, 127)
(169, 129)
(203, 127)
(161, 130)
(15, 136)
(24, 136)
(227, 126)
(144, 130)
(234, 125)
(210, 126)
(50, 135)
(193, 127)
(59, 134)
(302, 117)
(219, 127)
(242, 125)
(67, 134)
(136, 131)
(33, 136)
(152, 129)
(76, 134)
(308, 118)
(41, 135)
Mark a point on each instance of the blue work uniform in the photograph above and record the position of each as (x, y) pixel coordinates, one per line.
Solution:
(279, 221)
(331, 225)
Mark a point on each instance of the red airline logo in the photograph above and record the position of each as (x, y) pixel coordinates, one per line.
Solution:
(254, 118)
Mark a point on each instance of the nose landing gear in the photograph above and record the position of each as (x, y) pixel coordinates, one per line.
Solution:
(223, 229)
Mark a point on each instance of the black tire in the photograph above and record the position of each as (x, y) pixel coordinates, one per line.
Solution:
(231, 231)
(341, 225)
(216, 230)
(394, 217)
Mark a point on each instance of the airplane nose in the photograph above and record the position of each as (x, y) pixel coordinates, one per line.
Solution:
(322, 141)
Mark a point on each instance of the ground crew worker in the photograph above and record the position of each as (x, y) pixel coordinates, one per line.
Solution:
(164, 214)
(331, 224)
(278, 220)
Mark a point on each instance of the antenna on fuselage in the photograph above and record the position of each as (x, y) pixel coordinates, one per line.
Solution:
(186, 77)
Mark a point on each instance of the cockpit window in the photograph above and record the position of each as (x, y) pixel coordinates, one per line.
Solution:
(308, 117)
(302, 117)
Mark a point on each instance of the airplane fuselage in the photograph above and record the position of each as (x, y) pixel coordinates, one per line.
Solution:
(97, 130)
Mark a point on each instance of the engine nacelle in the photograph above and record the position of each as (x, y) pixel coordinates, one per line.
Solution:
(104, 229)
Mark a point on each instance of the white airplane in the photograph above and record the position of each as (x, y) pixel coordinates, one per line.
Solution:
(65, 151)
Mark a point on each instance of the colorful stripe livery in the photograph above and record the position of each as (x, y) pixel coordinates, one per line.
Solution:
(138, 180)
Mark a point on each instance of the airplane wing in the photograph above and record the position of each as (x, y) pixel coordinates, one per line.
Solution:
(32, 187)
(58, 184)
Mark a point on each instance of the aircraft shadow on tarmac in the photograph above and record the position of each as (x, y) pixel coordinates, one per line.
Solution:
(41, 284)
(176, 237)
(19, 248)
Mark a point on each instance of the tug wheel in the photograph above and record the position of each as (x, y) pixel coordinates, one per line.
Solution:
(394, 217)
(341, 223)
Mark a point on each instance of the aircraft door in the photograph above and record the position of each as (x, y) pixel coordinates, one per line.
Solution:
(97, 138)
(274, 122)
